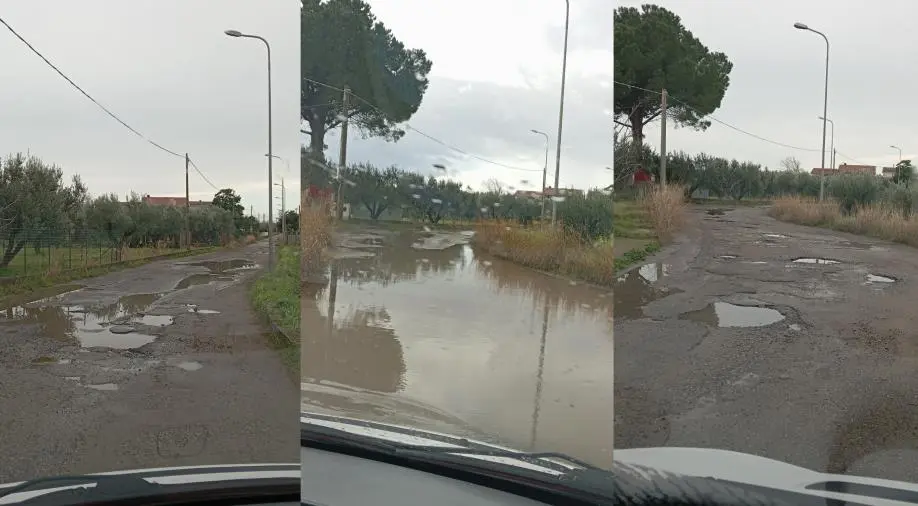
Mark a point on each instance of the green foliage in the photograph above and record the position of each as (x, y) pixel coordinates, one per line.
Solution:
(854, 190)
(343, 44)
(292, 219)
(653, 50)
(229, 200)
(589, 218)
(375, 189)
(905, 173)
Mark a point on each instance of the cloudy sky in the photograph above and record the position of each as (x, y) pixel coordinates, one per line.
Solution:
(167, 70)
(778, 79)
(496, 75)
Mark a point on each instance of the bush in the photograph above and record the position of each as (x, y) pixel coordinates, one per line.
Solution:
(590, 219)
(665, 208)
(854, 190)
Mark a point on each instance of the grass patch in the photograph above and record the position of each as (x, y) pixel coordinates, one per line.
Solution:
(732, 202)
(881, 220)
(555, 251)
(631, 220)
(56, 259)
(45, 281)
(276, 295)
(636, 255)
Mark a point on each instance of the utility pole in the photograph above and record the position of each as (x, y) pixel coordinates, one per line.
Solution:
(663, 141)
(187, 206)
(554, 201)
(283, 210)
(342, 153)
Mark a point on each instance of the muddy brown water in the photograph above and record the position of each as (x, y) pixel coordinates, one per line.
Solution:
(512, 355)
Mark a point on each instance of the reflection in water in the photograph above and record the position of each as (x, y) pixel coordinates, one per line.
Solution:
(91, 326)
(637, 288)
(524, 358)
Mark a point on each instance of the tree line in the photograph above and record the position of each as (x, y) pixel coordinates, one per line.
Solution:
(38, 208)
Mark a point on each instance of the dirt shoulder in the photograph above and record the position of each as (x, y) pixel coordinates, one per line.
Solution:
(195, 381)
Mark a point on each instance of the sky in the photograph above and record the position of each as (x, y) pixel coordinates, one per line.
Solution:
(166, 69)
(496, 75)
(778, 80)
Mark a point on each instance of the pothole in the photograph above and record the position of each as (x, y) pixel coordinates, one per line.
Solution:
(108, 387)
(220, 266)
(195, 280)
(878, 278)
(724, 314)
(728, 257)
(189, 366)
(816, 261)
(193, 308)
(111, 326)
(635, 289)
(716, 212)
(775, 236)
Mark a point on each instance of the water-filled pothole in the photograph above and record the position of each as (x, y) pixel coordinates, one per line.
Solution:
(877, 278)
(817, 261)
(193, 308)
(111, 326)
(194, 280)
(716, 212)
(775, 236)
(727, 257)
(724, 314)
(189, 366)
(108, 387)
(635, 289)
(220, 266)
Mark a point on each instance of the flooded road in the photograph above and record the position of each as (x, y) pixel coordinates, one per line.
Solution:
(789, 342)
(160, 365)
(447, 340)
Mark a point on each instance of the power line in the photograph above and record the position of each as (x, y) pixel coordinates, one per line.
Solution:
(87, 95)
(724, 123)
(423, 134)
(196, 169)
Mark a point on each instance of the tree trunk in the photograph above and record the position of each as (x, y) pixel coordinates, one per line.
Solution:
(12, 249)
(637, 135)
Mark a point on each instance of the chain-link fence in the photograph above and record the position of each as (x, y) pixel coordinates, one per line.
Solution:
(28, 253)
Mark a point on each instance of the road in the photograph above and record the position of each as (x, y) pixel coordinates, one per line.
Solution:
(819, 373)
(195, 381)
(418, 329)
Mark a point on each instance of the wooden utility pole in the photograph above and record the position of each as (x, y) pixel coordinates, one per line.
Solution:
(342, 154)
(663, 141)
(187, 206)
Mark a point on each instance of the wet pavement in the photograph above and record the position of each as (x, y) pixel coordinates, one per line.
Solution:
(445, 339)
(769, 338)
(160, 365)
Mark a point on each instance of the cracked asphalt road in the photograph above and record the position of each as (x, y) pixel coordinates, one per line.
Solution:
(206, 389)
(831, 386)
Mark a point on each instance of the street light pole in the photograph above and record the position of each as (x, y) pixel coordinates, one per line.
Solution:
(900, 160)
(554, 202)
(825, 106)
(832, 149)
(544, 172)
(236, 33)
(283, 209)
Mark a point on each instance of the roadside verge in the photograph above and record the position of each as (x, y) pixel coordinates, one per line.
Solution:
(276, 297)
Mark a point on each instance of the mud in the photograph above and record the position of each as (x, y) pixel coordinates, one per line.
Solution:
(135, 369)
(446, 339)
(829, 385)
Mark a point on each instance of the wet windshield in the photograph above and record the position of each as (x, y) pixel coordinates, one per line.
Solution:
(776, 320)
(438, 291)
(134, 257)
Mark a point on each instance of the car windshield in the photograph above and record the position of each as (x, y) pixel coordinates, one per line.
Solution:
(769, 261)
(134, 257)
(448, 285)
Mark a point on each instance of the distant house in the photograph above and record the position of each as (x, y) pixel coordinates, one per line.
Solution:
(888, 172)
(173, 201)
(533, 194)
(846, 169)
(564, 192)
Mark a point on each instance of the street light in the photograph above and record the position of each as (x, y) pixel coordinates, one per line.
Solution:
(283, 200)
(544, 171)
(825, 106)
(286, 162)
(236, 33)
(832, 149)
(900, 160)
(554, 203)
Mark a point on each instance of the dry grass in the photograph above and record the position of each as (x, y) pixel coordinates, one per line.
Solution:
(550, 250)
(315, 237)
(665, 207)
(879, 220)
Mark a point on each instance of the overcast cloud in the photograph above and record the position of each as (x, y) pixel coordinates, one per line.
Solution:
(496, 75)
(777, 83)
(165, 68)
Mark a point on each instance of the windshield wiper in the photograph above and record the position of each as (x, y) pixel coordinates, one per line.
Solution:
(584, 483)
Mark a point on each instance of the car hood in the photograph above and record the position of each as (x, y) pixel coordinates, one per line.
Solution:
(412, 436)
(163, 476)
(653, 464)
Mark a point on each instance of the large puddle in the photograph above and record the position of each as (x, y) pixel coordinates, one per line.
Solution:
(488, 348)
(723, 314)
(639, 287)
(120, 326)
(815, 261)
